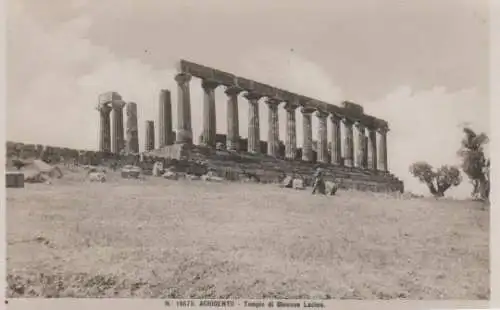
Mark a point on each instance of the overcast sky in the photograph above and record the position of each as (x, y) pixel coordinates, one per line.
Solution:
(421, 65)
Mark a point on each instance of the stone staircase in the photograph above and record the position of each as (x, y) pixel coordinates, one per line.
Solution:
(233, 165)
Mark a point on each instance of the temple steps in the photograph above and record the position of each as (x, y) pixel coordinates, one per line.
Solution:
(238, 165)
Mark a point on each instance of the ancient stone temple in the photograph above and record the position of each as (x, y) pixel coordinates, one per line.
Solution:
(357, 150)
(349, 114)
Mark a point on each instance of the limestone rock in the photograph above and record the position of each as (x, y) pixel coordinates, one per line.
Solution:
(298, 184)
(158, 169)
(287, 182)
(97, 177)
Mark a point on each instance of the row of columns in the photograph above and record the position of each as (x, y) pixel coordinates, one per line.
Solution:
(116, 140)
(113, 137)
(365, 144)
(111, 132)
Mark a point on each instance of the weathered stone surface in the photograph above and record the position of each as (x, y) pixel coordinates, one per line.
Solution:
(117, 138)
(336, 150)
(263, 89)
(165, 119)
(184, 128)
(194, 69)
(244, 83)
(353, 108)
(14, 179)
(307, 154)
(104, 128)
(233, 125)
(150, 136)
(209, 113)
(348, 143)
(253, 145)
(291, 131)
(132, 130)
(109, 97)
(223, 78)
(322, 152)
(372, 147)
(273, 127)
(382, 150)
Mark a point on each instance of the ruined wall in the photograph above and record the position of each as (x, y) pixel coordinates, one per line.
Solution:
(56, 155)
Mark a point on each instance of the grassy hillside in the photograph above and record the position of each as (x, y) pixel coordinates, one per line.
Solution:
(159, 238)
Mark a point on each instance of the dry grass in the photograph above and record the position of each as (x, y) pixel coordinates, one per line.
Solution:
(159, 238)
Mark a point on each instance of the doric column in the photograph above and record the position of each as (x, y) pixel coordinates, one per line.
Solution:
(117, 138)
(307, 151)
(150, 136)
(382, 149)
(360, 145)
(336, 139)
(348, 143)
(209, 115)
(372, 142)
(365, 152)
(291, 131)
(253, 122)
(132, 136)
(104, 127)
(322, 152)
(184, 129)
(233, 126)
(273, 145)
(165, 119)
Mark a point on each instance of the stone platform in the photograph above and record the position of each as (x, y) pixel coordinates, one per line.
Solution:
(269, 169)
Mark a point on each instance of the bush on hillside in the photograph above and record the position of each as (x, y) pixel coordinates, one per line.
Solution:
(438, 181)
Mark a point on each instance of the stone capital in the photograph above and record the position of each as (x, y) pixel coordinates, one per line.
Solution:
(359, 125)
(118, 104)
(290, 106)
(321, 114)
(383, 130)
(209, 84)
(334, 117)
(108, 97)
(348, 121)
(103, 108)
(307, 110)
(273, 102)
(233, 90)
(252, 96)
(371, 127)
(182, 78)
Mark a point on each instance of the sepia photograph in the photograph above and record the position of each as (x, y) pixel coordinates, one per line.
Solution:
(226, 153)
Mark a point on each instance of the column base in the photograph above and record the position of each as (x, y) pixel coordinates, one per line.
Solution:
(184, 136)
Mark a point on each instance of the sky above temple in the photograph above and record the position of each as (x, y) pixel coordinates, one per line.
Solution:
(421, 65)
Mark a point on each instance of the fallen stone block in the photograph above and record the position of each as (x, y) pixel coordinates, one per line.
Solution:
(192, 177)
(14, 179)
(211, 178)
(97, 177)
(331, 188)
(298, 184)
(171, 175)
(158, 169)
(287, 182)
(131, 172)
